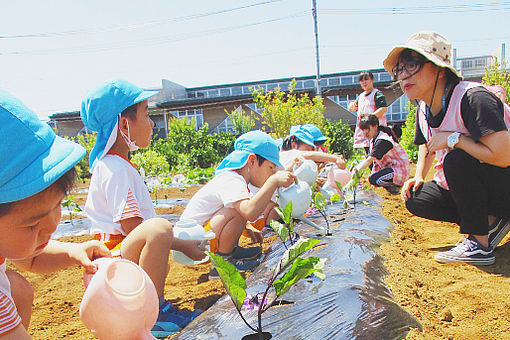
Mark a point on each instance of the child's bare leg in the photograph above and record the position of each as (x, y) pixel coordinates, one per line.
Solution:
(228, 226)
(270, 214)
(149, 245)
(23, 296)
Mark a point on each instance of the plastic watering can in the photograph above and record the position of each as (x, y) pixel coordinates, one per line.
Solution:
(307, 172)
(301, 196)
(343, 176)
(120, 301)
(190, 229)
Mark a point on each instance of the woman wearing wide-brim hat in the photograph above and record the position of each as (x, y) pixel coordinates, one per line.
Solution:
(462, 125)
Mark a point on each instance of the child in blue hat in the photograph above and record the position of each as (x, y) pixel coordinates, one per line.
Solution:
(118, 202)
(225, 204)
(318, 137)
(301, 144)
(36, 172)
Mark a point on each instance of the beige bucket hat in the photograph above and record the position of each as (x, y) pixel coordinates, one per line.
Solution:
(433, 46)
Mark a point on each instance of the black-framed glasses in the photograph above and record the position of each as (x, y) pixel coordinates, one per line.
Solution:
(410, 66)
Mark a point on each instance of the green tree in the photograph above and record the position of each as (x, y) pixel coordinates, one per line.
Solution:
(241, 121)
(152, 162)
(340, 138)
(407, 138)
(496, 74)
(281, 110)
(87, 141)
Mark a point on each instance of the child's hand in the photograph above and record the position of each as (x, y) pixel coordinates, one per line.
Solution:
(84, 253)
(255, 235)
(191, 249)
(284, 178)
(340, 163)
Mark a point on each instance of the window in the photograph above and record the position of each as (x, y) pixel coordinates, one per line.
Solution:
(225, 126)
(343, 100)
(236, 91)
(397, 111)
(309, 84)
(385, 76)
(284, 86)
(196, 114)
(334, 81)
(225, 92)
(347, 80)
(212, 93)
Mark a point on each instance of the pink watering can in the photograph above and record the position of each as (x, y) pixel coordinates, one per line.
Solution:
(343, 176)
(120, 301)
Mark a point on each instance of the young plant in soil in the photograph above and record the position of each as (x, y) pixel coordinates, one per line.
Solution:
(71, 206)
(290, 269)
(285, 230)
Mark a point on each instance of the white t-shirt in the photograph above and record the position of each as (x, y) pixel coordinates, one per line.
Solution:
(116, 187)
(253, 190)
(223, 190)
(287, 156)
(9, 318)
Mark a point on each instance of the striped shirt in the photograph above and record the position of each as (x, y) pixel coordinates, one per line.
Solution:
(9, 318)
(131, 208)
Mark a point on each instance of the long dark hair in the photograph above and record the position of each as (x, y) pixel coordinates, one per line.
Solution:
(371, 120)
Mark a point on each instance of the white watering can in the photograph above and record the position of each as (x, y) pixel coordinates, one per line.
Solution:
(307, 172)
(120, 301)
(301, 196)
(190, 229)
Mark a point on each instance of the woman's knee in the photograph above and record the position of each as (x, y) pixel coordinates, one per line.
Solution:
(458, 160)
(372, 180)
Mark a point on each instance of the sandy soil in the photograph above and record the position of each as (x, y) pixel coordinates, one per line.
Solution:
(454, 301)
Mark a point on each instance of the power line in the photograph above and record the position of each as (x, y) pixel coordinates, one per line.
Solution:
(132, 26)
(477, 7)
(149, 42)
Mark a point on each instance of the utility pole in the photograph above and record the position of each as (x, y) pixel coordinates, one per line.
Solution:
(316, 29)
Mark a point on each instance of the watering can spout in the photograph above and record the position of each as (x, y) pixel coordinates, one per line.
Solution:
(308, 221)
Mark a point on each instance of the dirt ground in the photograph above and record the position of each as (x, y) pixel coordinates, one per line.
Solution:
(453, 301)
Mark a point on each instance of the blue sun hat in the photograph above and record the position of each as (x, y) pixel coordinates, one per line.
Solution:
(100, 110)
(32, 156)
(302, 134)
(257, 142)
(315, 132)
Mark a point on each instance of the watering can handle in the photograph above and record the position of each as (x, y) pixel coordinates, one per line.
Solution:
(206, 238)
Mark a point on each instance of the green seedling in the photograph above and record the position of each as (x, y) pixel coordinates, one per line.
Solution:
(286, 230)
(290, 269)
(71, 206)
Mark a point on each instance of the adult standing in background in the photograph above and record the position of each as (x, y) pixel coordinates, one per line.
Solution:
(371, 101)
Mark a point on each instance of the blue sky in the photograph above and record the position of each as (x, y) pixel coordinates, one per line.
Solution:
(53, 52)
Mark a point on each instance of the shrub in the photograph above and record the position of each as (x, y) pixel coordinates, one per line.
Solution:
(340, 138)
(241, 122)
(281, 110)
(496, 75)
(153, 163)
(87, 141)
(407, 138)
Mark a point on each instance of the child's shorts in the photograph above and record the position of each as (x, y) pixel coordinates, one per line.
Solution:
(214, 243)
(112, 242)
